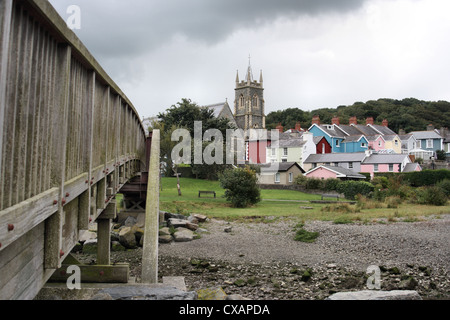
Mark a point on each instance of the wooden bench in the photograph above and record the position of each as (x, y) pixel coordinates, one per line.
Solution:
(206, 192)
(330, 196)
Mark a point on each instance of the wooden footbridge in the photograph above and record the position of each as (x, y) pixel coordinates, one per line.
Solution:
(69, 141)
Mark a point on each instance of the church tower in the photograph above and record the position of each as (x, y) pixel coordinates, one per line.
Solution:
(249, 102)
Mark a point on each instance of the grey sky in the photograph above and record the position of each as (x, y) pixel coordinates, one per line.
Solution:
(313, 53)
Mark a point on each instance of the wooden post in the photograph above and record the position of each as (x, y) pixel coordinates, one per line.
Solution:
(5, 14)
(150, 248)
(104, 234)
(53, 225)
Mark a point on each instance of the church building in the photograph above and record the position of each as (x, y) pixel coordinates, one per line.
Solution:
(249, 102)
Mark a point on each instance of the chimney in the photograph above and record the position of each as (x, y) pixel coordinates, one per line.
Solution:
(353, 120)
(335, 121)
(280, 128)
(316, 120)
(298, 126)
(401, 132)
(430, 127)
(369, 120)
(385, 123)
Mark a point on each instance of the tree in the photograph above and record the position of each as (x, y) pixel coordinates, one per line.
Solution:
(183, 115)
(241, 187)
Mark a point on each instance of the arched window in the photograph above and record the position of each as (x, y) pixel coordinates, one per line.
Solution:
(255, 101)
(241, 101)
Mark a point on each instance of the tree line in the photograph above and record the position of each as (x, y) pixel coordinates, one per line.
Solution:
(408, 114)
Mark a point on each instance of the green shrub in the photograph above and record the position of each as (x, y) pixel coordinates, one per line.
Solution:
(351, 189)
(241, 187)
(431, 196)
(314, 184)
(331, 184)
(393, 202)
(445, 186)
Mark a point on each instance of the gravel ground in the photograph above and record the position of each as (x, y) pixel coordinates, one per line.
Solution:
(262, 261)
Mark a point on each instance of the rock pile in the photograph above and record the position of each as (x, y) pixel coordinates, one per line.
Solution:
(130, 233)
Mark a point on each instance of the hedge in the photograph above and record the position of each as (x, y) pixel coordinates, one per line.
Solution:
(420, 178)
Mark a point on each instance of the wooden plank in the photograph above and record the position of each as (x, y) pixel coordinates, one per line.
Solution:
(26, 215)
(118, 273)
(5, 30)
(53, 239)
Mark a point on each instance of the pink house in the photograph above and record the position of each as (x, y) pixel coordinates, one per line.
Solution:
(376, 143)
(328, 172)
(387, 163)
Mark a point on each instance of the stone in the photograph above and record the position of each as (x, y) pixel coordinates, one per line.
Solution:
(168, 216)
(138, 233)
(376, 295)
(130, 221)
(90, 246)
(127, 238)
(228, 229)
(165, 239)
(117, 247)
(200, 217)
(177, 223)
(87, 235)
(183, 235)
(212, 294)
(192, 226)
(192, 219)
(164, 231)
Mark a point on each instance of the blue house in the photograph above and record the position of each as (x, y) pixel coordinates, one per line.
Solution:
(340, 141)
(429, 141)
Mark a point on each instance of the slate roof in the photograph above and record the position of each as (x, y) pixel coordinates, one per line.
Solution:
(385, 159)
(336, 157)
(423, 135)
(342, 172)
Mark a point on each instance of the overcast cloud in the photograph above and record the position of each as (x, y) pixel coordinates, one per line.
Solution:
(313, 53)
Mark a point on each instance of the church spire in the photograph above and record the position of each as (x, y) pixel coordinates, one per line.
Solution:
(237, 77)
(249, 77)
(261, 78)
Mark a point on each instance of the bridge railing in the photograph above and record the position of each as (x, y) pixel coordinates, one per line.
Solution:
(69, 139)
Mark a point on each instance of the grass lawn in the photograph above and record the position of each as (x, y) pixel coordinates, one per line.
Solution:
(291, 205)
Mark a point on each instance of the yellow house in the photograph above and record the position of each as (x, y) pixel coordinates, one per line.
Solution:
(393, 142)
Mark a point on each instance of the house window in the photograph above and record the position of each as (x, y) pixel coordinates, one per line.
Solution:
(429, 144)
(375, 168)
(323, 148)
(379, 143)
(283, 160)
(419, 144)
(277, 178)
(285, 152)
(314, 165)
(274, 152)
(350, 165)
(396, 142)
(337, 144)
(291, 177)
(363, 145)
(391, 168)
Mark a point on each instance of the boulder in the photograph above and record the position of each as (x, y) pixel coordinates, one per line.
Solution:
(87, 235)
(130, 221)
(168, 216)
(177, 223)
(211, 294)
(127, 238)
(376, 295)
(183, 235)
(116, 246)
(165, 238)
(200, 217)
